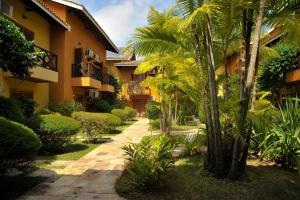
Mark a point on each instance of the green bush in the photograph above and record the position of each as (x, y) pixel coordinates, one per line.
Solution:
(130, 112)
(153, 110)
(148, 161)
(54, 130)
(27, 105)
(283, 141)
(194, 143)
(121, 113)
(94, 125)
(99, 105)
(155, 124)
(10, 109)
(17, 142)
(66, 108)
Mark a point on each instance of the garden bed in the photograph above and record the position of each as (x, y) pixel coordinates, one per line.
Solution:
(188, 180)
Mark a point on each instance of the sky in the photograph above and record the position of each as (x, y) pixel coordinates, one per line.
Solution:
(120, 18)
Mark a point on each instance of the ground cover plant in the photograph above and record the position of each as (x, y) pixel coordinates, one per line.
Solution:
(189, 180)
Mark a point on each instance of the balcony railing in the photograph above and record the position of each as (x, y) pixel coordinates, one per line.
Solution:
(88, 71)
(48, 60)
(134, 88)
(108, 79)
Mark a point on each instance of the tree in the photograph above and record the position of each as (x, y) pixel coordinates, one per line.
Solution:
(17, 55)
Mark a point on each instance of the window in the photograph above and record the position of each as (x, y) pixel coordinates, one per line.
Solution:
(152, 98)
(6, 8)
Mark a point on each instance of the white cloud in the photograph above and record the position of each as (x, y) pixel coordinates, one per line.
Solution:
(119, 19)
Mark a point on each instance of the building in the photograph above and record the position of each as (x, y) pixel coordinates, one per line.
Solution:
(123, 66)
(37, 23)
(291, 85)
(82, 71)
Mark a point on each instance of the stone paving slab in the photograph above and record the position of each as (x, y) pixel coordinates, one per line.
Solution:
(94, 175)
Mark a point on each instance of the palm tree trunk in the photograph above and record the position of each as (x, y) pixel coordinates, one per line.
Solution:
(246, 89)
(214, 100)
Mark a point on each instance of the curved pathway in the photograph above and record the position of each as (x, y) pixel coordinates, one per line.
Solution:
(93, 176)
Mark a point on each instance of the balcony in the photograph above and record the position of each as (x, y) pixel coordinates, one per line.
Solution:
(134, 88)
(293, 76)
(88, 76)
(46, 69)
(107, 83)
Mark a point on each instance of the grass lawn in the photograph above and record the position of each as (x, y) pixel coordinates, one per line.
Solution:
(185, 127)
(187, 180)
(78, 149)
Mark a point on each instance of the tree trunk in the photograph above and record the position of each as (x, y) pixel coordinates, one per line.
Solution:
(214, 100)
(247, 83)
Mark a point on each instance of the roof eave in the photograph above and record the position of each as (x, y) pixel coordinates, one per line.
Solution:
(37, 3)
(82, 8)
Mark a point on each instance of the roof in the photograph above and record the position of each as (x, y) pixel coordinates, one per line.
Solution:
(41, 7)
(133, 63)
(82, 12)
(123, 55)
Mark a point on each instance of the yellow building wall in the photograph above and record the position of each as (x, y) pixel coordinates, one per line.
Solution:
(41, 29)
(33, 22)
(40, 91)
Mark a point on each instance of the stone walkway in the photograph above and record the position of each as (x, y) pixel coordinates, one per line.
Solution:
(94, 175)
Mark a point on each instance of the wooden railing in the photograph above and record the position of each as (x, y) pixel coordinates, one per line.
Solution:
(88, 71)
(48, 60)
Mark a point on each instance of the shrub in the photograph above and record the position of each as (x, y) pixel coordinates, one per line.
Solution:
(95, 124)
(99, 105)
(153, 110)
(17, 142)
(66, 108)
(121, 113)
(283, 142)
(27, 105)
(130, 112)
(54, 130)
(193, 143)
(155, 124)
(11, 110)
(148, 161)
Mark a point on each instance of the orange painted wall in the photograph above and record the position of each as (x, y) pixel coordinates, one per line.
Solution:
(59, 9)
(64, 45)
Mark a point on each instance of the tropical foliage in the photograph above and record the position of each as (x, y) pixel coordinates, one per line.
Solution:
(188, 42)
(148, 160)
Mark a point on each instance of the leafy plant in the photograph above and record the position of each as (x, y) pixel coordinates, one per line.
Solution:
(17, 143)
(99, 105)
(10, 109)
(148, 160)
(94, 125)
(155, 124)
(153, 110)
(54, 130)
(283, 142)
(130, 112)
(27, 106)
(17, 55)
(66, 108)
(194, 143)
(274, 70)
(121, 113)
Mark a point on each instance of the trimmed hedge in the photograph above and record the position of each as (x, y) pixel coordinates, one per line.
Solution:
(17, 142)
(95, 124)
(125, 114)
(66, 108)
(10, 109)
(54, 130)
(130, 112)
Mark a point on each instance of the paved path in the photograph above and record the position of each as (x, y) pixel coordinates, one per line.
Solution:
(94, 175)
